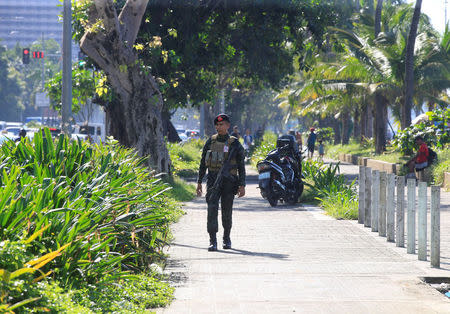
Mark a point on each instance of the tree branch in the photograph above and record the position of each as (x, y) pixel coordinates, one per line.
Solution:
(130, 20)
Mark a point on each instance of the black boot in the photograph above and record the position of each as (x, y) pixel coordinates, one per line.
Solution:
(212, 243)
(226, 241)
(227, 244)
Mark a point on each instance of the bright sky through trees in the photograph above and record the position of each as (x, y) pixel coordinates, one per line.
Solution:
(435, 9)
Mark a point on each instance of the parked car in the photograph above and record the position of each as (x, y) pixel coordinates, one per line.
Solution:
(92, 131)
(13, 131)
(183, 137)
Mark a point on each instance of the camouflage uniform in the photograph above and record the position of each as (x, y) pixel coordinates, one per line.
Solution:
(214, 154)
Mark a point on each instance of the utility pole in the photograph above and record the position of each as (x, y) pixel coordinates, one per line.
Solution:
(66, 110)
(43, 78)
(43, 63)
(445, 13)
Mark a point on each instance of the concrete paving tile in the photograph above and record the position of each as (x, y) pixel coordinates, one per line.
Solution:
(295, 259)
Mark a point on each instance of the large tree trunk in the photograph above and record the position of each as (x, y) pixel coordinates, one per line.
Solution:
(136, 119)
(380, 123)
(345, 127)
(210, 114)
(336, 125)
(363, 121)
(357, 124)
(169, 130)
(378, 17)
(409, 67)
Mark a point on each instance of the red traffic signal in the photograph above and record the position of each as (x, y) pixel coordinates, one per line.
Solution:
(38, 54)
(26, 55)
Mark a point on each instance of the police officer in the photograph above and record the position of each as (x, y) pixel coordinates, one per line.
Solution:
(215, 153)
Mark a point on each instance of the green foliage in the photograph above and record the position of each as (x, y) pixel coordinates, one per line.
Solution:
(329, 187)
(341, 205)
(404, 140)
(99, 204)
(186, 157)
(267, 144)
(10, 91)
(28, 77)
(440, 118)
(181, 191)
(325, 134)
(354, 148)
(443, 165)
(134, 295)
(18, 266)
(86, 84)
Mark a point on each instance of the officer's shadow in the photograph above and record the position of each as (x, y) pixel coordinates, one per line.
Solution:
(259, 254)
(238, 252)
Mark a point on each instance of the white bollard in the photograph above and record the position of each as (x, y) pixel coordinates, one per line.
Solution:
(368, 197)
(390, 208)
(422, 221)
(435, 227)
(375, 200)
(411, 213)
(382, 206)
(400, 210)
(362, 188)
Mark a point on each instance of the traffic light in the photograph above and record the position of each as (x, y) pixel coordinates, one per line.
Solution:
(81, 59)
(38, 54)
(26, 55)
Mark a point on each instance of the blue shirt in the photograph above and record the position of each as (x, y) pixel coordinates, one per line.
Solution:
(312, 138)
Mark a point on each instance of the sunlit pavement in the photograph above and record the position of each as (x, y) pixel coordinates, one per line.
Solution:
(296, 259)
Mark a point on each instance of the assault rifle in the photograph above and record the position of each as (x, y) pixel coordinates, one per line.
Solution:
(224, 172)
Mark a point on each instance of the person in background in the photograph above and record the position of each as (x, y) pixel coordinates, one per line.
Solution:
(235, 132)
(298, 137)
(22, 134)
(420, 160)
(311, 142)
(321, 150)
(248, 141)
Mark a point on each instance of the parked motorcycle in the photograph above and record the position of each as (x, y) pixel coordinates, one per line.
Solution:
(280, 173)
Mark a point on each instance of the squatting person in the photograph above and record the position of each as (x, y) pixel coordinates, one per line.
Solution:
(420, 160)
(220, 149)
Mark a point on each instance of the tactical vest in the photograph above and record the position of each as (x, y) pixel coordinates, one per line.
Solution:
(218, 154)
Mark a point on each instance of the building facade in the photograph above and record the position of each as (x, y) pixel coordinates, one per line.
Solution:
(27, 21)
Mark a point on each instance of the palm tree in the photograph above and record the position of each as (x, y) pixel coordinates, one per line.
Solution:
(409, 67)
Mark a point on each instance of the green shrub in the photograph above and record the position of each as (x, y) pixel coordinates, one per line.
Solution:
(186, 157)
(435, 132)
(326, 134)
(20, 272)
(341, 205)
(404, 140)
(134, 295)
(100, 201)
(325, 183)
(442, 165)
(268, 143)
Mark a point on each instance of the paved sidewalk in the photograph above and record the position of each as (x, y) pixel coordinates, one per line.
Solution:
(295, 259)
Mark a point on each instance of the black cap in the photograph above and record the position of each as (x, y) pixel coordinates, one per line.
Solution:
(222, 117)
